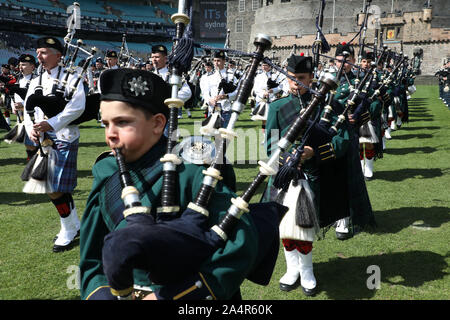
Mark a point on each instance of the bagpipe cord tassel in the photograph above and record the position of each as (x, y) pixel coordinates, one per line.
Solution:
(305, 215)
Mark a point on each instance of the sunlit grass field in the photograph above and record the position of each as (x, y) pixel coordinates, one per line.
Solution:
(410, 195)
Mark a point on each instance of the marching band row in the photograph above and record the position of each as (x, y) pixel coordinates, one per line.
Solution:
(332, 123)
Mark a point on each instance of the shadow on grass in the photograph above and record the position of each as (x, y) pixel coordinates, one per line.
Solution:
(401, 151)
(412, 107)
(419, 114)
(421, 128)
(13, 161)
(343, 278)
(395, 220)
(418, 99)
(416, 120)
(84, 173)
(21, 199)
(422, 107)
(418, 103)
(412, 136)
(245, 166)
(403, 174)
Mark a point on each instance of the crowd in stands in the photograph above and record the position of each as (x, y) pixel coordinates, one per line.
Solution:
(154, 11)
(13, 44)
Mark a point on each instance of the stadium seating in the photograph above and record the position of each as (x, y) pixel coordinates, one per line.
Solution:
(97, 9)
(14, 44)
(167, 9)
(106, 16)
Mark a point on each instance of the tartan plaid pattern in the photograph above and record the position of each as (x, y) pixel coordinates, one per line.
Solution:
(289, 112)
(343, 90)
(28, 141)
(143, 173)
(65, 175)
(282, 113)
(143, 179)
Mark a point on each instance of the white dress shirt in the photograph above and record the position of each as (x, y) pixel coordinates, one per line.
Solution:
(72, 111)
(260, 86)
(212, 88)
(184, 93)
(203, 83)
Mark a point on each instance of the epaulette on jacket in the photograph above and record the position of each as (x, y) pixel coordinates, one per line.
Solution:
(104, 155)
(282, 97)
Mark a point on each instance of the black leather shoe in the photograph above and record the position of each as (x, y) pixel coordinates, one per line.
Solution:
(57, 248)
(343, 235)
(289, 287)
(309, 292)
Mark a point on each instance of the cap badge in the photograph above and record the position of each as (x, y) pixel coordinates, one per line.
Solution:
(138, 86)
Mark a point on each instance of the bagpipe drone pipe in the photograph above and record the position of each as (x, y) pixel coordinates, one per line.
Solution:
(389, 79)
(55, 103)
(215, 121)
(179, 62)
(226, 85)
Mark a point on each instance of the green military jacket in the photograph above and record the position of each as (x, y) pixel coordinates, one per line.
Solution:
(222, 273)
(324, 171)
(360, 206)
(344, 88)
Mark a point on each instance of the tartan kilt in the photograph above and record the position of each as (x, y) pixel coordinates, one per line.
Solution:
(28, 141)
(65, 173)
